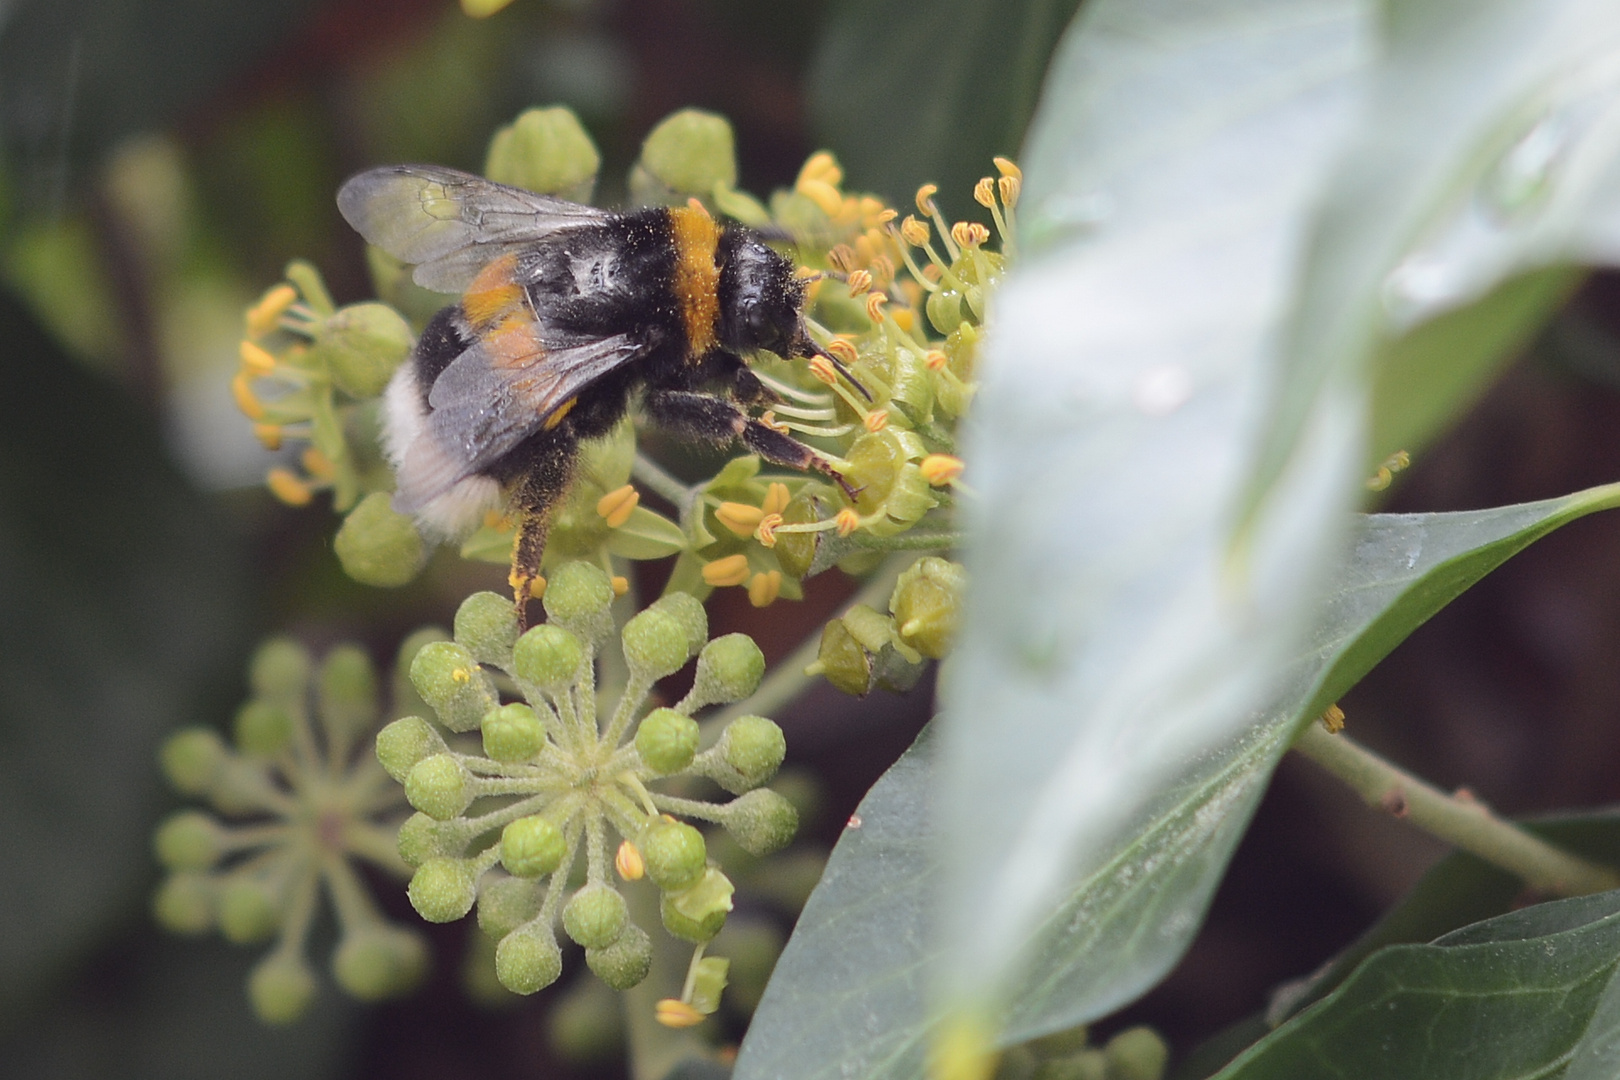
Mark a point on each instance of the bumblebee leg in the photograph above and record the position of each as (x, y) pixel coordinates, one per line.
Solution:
(748, 390)
(545, 482)
(705, 418)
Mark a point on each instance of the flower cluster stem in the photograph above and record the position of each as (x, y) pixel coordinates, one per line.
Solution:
(1463, 822)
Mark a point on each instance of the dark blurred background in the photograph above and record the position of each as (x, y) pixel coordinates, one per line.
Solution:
(161, 160)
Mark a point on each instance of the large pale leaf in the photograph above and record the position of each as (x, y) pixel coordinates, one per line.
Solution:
(848, 998)
(1112, 641)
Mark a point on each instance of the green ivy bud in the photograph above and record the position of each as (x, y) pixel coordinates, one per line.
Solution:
(421, 838)
(346, 694)
(762, 822)
(927, 603)
(263, 728)
(655, 645)
(549, 657)
(281, 987)
(450, 680)
(545, 150)
(192, 759)
(379, 546)
(698, 913)
(578, 596)
(379, 962)
(728, 669)
(687, 610)
(595, 916)
(755, 747)
(688, 153)
(361, 345)
(184, 903)
(874, 465)
(532, 846)
(910, 497)
(189, 840)
(752, 945)
(506, 903)
(666, 741)
(486, 623)
(403, 697)
(1136, 1053)
(674, 853)
(528, 959)
(709, 982)
(403, 743)
(279, 670)
(626, 962)
(512, 733)
(249, 910)
(439, 786)
(443, 890)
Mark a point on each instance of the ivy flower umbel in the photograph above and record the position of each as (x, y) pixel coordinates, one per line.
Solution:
(310, 802)
(553, 778)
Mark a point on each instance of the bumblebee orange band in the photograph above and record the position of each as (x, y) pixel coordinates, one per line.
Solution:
(697, 278)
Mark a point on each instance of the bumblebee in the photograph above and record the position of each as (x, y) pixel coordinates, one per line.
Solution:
(567, 312)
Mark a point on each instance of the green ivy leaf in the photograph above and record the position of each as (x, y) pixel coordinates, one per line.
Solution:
(646, 535)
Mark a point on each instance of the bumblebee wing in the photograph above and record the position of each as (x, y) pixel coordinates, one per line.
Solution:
(494, 395)
(451, 223)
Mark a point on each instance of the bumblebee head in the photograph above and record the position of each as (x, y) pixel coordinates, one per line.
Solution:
(761, 302)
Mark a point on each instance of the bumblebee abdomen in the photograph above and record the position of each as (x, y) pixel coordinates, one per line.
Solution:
(695, 283)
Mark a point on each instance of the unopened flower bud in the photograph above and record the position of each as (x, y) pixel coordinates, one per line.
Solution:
(378, 962)
(506, 903)
(545, 150)
(532, 846)
(666, 741)
(378, 545)
(192, 760)
(486, 623)
(624, 963)
(184, 903)
(189, 840)
(450, 680)
(439, 786)
(927, 604)
(249, 910)
(361, 345)
(687, 610)
(263, 728)
(281, 987)
(655, 645)
(674, 854)
(688, 153)
(1136, 1053)
(422, 838)
(577, 597)
(595, 916)
(728, 669)
(346, 694)
(549, 657)
(404, 742)
(761, 821)
(513, 733)
(443, 890)
(528, 959)
(279, 670)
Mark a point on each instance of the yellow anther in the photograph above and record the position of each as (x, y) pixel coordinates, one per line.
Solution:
(882, 268)
(1010, 188)
(731, 570)
(675, 1013)
(286, 486)
(318, 464)
(740, 518)
(984, 192)
(776, 498)
(246, 399)
(914, 232)
(940, 469)
(876, 420)
(823, 194)
(1006, 168)
(969, 233)
(904, 318)
(925, 199)
(859, 282)
(822, 369)
(874, 306)
(766, 533)
(764, 588)
(768, 418)
(262, 317)
(822, 166)
(936, 360)
(1333, 719)
(886, 215)
(842, 258)
(844, 350)
(255, 359)
(269, 435)
(847, 521)
(621, 584)
(629, 863)
(617, 505)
